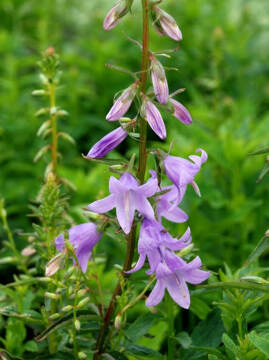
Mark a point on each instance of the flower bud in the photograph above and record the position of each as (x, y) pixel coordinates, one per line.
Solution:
(83, 302)
(165, 24)
(118, 11)
(150, 112)
(107, 143)
(54, 316)
(81, 292)
(180, 112)
(67, 308)
(51, 296)
(117, 322)
(122, 104)
(266, 233)
(28, 251)
(159, 81)
(82, 355)
(77, 325)
(53, 265)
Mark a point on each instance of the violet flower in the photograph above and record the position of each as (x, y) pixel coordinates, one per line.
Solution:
(127, 196)
(173, 277)
(180, 112)
(159, 81)
(107, 143)
(151, 113)
(167, 205)
(83, 237)
(154, 241)
(166, 25)
(122, 104)
(182, 172)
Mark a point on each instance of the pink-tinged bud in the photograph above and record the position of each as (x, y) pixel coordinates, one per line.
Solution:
(180, 112)
(53, 265)
(122, 104)
(118, 11)
(165, 24)
(107, 143)
(159, 81)
(151, 113)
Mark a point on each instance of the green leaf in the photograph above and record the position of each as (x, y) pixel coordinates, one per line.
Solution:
(199, 307)
(30, 316)
(209, 350)
(209, 332)
(261, 151)
(140, 327)
(184, 339)
(117, 355)
(236, 285)
(41, 152)
(264, 171)
(262, 245)
(260, 342)
(67, 137)
(229, 344)
(31, 346)
(82, 314)
(143, 351)
(212, 357)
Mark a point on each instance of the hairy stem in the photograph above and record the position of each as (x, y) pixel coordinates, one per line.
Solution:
(100, 344)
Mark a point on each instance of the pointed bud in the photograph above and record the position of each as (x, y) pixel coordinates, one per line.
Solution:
(165, 24)
(28, 251)
(83, 302)
(118, 11)
(77, 325)
(107, 143)
(51, 296)
(53, 265)
(67, 308)
(180, 112)
(150, 112)
(159, 81)
(117, 322)
(122, 104)
(82, 355)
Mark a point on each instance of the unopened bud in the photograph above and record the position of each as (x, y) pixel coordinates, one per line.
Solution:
(28, 251)
(117, 322)
(77, 325)
(122, 104)
(266, 233)
(165, 24)
(83, 302)
(52, 296)
(50, 51)
(81, 292)
(39, 92)
(53, 265)
(188, 249)
(67, 308)
(159, 81)
(254, 279)
(118, 11)
(54, 316)
(82, 355)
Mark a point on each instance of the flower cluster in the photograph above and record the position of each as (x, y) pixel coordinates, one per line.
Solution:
(155, 242)
(147, 203)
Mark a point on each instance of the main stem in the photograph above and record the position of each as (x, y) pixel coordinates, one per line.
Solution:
(130, 238)
(53, 120)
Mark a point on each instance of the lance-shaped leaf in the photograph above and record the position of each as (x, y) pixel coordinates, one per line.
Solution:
(260, 342)
(262, 246)
(41, 152)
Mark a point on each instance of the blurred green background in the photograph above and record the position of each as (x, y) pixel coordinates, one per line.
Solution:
(223, 64)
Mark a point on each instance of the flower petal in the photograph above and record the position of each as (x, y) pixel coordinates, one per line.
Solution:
(155, 119)
(140, 262)
(178, 291)
(125, 210)
(104, 205)
(156, 294)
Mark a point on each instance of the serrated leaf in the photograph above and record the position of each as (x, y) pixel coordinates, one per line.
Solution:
(209, 331)
(140, 327)
(41, 152)
(260, 342)
(228, 342)
(67, 137)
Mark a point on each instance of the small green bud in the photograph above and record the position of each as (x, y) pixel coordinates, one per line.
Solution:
(83, 302)
(186, 250)
(266, 233)
(67, 308)
(77, 325)
(81, 293)
(52, 296)
(39, 92)
(54, 316)
(82, 355)
(117, 322)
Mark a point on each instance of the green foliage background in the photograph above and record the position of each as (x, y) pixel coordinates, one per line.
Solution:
(223, 64)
